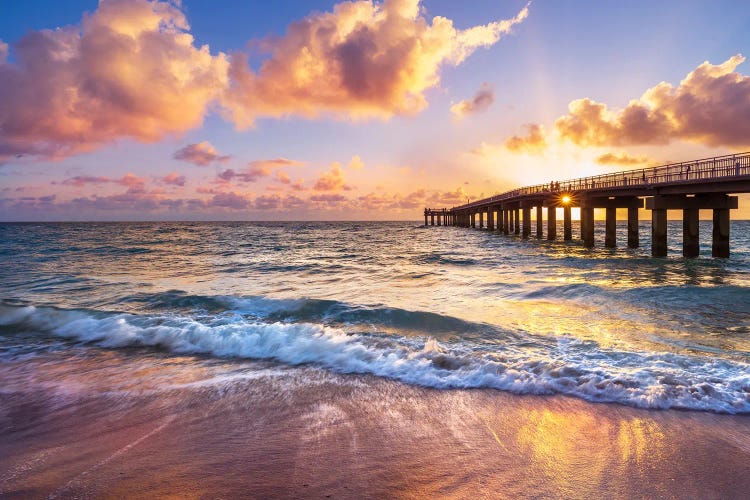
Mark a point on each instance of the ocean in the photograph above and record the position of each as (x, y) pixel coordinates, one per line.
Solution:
(113, 333)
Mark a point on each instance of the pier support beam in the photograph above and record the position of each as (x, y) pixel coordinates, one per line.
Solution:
(511, 214)
(567, 224)
(481, 219)
(690, 237)
(659, 233)
(539, 223)
(438, 219)
(517, 226)
(432, 219)
(551, 223)
(720, 244)
(425, 219)
(490, 219)
(506, 221)
(633, 227)
(473, 220)
(721, 204)
(610, 228)
(587, 226)
(526, 222)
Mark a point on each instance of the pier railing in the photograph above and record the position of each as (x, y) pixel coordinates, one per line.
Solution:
(716, 167)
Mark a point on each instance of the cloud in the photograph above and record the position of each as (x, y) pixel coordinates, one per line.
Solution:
(533, 142)
(267, 202)
(710, 106)
(333, 180)
(356, 163)
(275, 163)
(362, 60)
(172, 179)
(283, 177)
(298, 185)
(257, 169)
(82, 180)
(250, 174)
(481, 102)
(230, 199)
(129, 69)
(202, 154)
(328, 199)
(448, 198)
(129, 180)
(621, 159)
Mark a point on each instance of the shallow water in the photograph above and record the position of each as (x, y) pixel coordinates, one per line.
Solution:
(438, 307)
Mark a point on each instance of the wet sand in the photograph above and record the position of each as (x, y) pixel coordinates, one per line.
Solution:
(114, 425)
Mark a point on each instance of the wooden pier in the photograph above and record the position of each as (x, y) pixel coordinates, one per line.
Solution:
(705, 184)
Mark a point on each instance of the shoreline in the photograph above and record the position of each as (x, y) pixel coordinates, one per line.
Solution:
(261, 429)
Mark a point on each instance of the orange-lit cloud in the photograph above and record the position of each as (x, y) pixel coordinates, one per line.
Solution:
(130, 69)
(621, 159)
(267, 165)
(364, 59)
(201, 154)
(710, 106)
(283, 177)
(333, 180)
(356, 163)
(533, 142)
(481, 102)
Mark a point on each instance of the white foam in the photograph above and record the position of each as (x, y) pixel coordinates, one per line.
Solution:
(649, 380)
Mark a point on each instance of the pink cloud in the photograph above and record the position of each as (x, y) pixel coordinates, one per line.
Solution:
(256, 170)
(710, 106)
(129, 180)
(267, 202)
(82, 180)
(172, 179)
(202, 154)
(364, 59)
(298, 185)
(129, 69)
(283, 177)
(327, 200)
(230, 200)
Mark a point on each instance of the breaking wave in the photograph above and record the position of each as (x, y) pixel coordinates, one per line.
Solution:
(521, 365)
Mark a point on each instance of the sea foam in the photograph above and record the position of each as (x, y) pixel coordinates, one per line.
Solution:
(567, 366)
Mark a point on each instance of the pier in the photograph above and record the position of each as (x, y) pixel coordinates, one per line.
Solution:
(691, 186)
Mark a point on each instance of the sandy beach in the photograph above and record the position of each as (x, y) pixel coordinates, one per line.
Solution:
(249, 429)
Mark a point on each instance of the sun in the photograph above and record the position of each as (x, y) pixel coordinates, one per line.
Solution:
(565, 199)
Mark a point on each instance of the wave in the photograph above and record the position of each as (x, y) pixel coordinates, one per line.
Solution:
(308, 310)
(567, 366)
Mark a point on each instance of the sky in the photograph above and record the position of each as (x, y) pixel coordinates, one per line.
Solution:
(318, 110)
